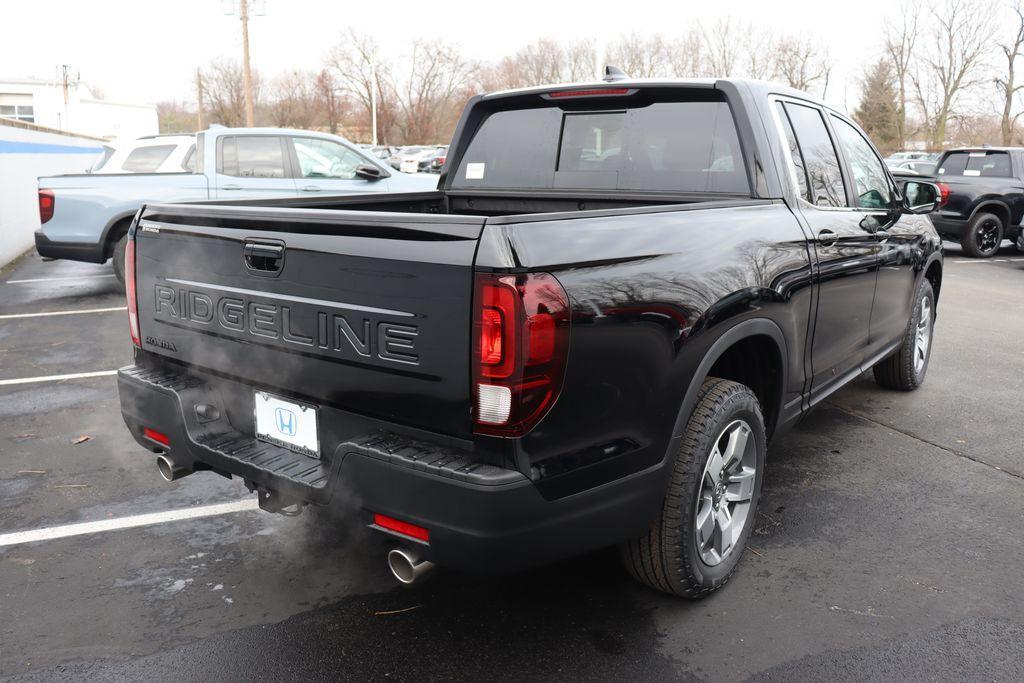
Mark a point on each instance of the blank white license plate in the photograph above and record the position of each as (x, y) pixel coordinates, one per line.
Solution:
(409, 166)
(287, 424)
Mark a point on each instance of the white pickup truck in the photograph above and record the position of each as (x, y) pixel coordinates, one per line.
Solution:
(85, 217)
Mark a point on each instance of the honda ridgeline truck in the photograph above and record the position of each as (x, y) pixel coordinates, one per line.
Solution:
(587, 336)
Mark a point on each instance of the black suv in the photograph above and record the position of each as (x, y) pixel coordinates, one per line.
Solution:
(983, 198)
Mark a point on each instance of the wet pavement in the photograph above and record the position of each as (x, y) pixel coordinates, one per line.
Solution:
(887, 544)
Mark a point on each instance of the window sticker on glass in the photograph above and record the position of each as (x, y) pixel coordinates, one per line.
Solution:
(970, 172)
(475, 171)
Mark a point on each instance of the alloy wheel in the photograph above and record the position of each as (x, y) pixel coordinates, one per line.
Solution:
(726, 490)
(923, 335)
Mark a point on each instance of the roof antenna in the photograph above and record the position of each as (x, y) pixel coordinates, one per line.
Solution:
(614, 73)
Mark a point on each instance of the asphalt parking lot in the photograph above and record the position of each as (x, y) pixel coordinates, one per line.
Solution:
(888, 545)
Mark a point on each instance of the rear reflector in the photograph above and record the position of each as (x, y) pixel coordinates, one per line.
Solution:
(159, 437)
(404, 528)
(46, 203)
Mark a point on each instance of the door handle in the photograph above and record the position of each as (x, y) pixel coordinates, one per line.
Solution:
(231, 187)
(827, 237)
(264, 258)
(310, 188)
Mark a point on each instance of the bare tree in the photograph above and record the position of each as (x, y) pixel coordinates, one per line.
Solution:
(961, 33)
(431, 93)
(722, 43)
(899, 45)
(224, 90)
(1006, 84)
(292, 101)
(688, 55)
(327, 99)
(759, 59)
(579, 61)
(360, 72)
(641, 56)
(802, 63)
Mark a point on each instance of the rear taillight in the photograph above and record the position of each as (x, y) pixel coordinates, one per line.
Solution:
(129, 290)
(944, 191)
(520, 344)
(46, 204)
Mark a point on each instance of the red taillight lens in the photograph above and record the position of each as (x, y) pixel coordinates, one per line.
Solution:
(521, 342)
(404, 528)
(159, 437)
(129, 291)
(944, 191)
(46, 204)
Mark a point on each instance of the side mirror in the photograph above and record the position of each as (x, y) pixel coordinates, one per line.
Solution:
(369, 172)
(920, 197)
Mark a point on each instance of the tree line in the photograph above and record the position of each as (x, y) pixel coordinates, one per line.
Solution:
(941, 74)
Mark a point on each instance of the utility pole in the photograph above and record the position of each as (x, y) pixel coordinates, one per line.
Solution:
(243, 12)
(199, 99)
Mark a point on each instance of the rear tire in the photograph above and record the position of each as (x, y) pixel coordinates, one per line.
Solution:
(905, 369)
(983, 236)
(694, 545)
(117, 259)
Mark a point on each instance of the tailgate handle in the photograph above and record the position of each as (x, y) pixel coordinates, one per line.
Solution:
(264, 258)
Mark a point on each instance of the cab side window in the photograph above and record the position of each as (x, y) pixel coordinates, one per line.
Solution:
(825, 180)
(869, 178)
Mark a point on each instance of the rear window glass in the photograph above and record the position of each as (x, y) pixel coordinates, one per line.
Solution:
(253, 156)
(687, 146)
(147, 159)
(984, 164)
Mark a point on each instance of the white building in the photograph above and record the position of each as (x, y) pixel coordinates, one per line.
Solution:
(44, 104)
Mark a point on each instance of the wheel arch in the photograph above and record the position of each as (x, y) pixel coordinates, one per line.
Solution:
(114, 230)
(996, 207)
(729, 356)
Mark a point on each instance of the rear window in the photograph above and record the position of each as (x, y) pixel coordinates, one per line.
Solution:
(689, 146)
(984, 164)
(147, 159)
(253, 156)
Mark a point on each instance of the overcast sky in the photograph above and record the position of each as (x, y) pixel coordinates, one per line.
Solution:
(142, 50)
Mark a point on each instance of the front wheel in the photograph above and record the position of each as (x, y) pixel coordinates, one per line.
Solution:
(905, 369)
(694, 545)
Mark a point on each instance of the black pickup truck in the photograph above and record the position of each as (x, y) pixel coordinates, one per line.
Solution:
(982, 200)
(588, 335)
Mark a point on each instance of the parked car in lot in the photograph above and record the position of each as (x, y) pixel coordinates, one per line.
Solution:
(900, 157)
(86, 217)
(560, 349)
(983, 198)
(920, 167)
(150, 154)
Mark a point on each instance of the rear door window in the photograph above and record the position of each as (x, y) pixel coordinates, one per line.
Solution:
(823, 174)
(147, 159)
(253, 156)
(689, 146)
(984, 164)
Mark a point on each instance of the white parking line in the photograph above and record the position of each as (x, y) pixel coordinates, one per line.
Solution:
(57, 378)
(53, 532)
(58, 279)
(11, 316)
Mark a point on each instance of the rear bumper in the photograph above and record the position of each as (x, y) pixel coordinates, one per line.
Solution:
(481, 518)
(72, 251)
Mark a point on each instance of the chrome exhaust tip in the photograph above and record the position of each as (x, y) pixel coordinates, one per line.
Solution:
(406, 565)
(169, 470)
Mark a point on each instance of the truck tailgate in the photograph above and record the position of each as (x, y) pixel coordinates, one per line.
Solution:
(366, 312)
